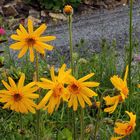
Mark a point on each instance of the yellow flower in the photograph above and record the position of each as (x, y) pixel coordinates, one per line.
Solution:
(31, 40)
(112, 102)
(56, 88)
(19, 97)
(125, 128)
(80, 92)
(98, 104)
(138, 85)
(120, 85)
(68, 10)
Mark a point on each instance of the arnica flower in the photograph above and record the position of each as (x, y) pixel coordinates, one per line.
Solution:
(68, 10)
(18, 97)
(121, 86)
(56, 89)
(2, 31)
(31, 40)
(125, 128)
(80, 91)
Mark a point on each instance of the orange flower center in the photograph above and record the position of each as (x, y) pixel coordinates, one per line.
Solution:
(17, 97)
(30, 42)
(58, 90)
(74, 88)
(125, 91)
(128, 129)
(120, 99)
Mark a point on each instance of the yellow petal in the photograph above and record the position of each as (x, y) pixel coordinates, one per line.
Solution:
(88, 92)
(90, 84)
(46, 38)
(45, 99)
(31, 54)
(23, 30)
(17, 46)
(6, 85)
(75, 103)
(12, 82)
(70, 102)
(126, 74)
(31, 96)
(30, 26)
(51, 105)
(111, 109)
(81, 101)
(52, 74)
(39, 49)
(86, 99)
(117, 138)
(40, 30)
(21, 81)
(22, 52)
(45, 46)
(16, 37)
(86, 77)
(26, 88)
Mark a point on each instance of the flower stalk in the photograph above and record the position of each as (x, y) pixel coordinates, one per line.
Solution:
(72, 65)
(82, 124)
(21, 127)
(38, 111)
(130, 45)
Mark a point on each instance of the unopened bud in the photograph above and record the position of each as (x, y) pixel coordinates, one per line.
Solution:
(68, 10)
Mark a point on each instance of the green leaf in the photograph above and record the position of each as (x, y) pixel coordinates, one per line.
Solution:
(65, 134)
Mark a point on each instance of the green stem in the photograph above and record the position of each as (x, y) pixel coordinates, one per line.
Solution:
(71, 44)
(21, 127)
(97, 124)
(72, 66)
(74, 125)
(82, 124)
(38, 111)
(130, 45)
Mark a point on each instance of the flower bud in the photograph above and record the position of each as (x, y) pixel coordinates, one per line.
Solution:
(68, 10)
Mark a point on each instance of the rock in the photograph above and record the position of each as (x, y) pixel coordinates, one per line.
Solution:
(1, 12)
(43, 13)
(22, 8)
(34, 13)
(89, 2)
(1, 2)
(9, 10)
(12, 23)
(35, 20)
(57, 16)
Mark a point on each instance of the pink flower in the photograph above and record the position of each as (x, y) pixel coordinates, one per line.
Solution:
(2, 31)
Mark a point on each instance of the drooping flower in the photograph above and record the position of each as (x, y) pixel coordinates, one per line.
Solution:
(2, 31)
(18, 97)
(56, 89)
(31, 40)
(121, 86)
(80, 91)
(125, 128)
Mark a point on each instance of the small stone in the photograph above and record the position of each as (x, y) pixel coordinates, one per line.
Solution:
(89, 2)
(9, 10)
(35, 20)
(34, 13)
(43, 13)
(57, 16)
(1, 2)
